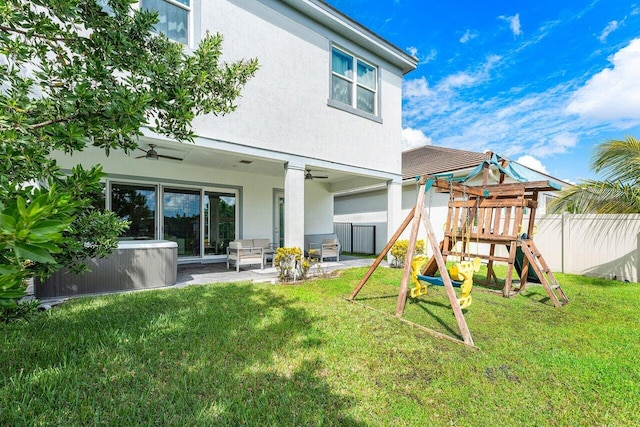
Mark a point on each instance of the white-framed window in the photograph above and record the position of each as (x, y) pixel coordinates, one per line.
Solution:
(354, 81)
(173, 17)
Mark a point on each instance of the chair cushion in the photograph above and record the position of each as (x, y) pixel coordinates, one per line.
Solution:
(262, 243)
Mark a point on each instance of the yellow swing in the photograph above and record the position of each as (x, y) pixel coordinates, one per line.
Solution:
(461, 274)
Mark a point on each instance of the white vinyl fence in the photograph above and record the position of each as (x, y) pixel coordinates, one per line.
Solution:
(605, 246)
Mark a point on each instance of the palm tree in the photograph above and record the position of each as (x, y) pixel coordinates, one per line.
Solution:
(619, 191)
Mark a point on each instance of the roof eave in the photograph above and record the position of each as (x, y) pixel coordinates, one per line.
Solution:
(332, 18)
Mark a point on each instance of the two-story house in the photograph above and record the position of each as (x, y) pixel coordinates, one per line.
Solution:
(321, 116)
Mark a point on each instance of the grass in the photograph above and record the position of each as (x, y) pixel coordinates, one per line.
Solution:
(253, 354)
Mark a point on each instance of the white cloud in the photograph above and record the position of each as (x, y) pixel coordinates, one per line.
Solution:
(610, 28)
(468, 35)
(613, 94)
(413, 51)
(461, 79)
(416, 88)
(555, 144)
(532, 163)
(514, 23)
(534, 124)
(412, 138)
(430, 57)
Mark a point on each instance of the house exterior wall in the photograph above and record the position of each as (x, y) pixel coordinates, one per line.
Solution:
(284, 107)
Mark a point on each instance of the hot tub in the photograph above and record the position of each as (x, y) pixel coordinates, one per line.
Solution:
(135, 264)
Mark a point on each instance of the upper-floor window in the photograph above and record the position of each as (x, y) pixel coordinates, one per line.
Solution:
(353, 81)
(173, 17)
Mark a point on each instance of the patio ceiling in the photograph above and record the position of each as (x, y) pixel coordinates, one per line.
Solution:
(199, 156)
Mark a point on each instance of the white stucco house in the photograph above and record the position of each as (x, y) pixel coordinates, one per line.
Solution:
(368, 207)
(325, 103)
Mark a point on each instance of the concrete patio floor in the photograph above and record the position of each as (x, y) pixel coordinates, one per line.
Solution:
(202, 273)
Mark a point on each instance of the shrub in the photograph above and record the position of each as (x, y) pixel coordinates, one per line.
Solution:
(23, 310)
(399, 251)
(291, 264)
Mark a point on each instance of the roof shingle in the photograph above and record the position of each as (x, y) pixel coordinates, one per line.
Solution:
(430, 160)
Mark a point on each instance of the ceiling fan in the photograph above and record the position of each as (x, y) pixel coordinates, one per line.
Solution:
(309, 175)
(151, 153)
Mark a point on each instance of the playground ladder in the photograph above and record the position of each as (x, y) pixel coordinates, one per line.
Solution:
(544, 273)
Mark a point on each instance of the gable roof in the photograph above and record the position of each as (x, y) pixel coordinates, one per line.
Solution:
(431, 160)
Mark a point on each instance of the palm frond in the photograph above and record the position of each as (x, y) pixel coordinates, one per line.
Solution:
(618, 160)
(598, 197)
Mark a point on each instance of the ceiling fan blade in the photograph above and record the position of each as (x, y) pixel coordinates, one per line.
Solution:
(320, 176)
(162, 156)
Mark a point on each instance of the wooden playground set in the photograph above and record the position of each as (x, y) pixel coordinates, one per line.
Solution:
(485, 214)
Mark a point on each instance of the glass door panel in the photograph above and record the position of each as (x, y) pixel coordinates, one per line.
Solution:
(219, 222)
(136, 204)
(182, 220)
(278, 223)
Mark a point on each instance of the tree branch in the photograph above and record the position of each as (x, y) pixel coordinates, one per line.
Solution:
(36, 35)
(54, 121)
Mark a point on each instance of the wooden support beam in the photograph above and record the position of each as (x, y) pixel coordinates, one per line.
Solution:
(510, 268)
(413, 237)
(384, 252)
(415, 325)
(444, 273)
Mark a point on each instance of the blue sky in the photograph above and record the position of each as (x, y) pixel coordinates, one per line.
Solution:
(540, 82)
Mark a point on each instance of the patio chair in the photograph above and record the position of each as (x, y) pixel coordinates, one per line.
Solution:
(329, 248)
(241, 252)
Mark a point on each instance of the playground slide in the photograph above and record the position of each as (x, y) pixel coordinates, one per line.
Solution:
(531, 274)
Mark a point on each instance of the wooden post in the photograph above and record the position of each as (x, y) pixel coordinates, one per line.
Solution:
(413, 237)
(446, 279)
(384, 252)
(506, 291)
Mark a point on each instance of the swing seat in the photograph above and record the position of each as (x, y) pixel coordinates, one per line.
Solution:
(461, 274)
(437, 281)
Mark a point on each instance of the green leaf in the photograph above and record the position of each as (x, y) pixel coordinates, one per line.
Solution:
(48, 227)
(8, 269)
(33, 253)
(8, 303)
(12, 293)
(7, 222)
(22, 206)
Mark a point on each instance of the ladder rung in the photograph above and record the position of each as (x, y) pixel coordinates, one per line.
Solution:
(555, 286)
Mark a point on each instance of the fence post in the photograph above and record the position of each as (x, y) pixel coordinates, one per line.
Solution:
(374, 240)
(351, 237)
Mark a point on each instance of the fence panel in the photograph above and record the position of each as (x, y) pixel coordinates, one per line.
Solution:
(592, 245)
(356, 238)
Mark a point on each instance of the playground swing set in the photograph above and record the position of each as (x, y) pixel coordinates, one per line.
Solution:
(490, 214)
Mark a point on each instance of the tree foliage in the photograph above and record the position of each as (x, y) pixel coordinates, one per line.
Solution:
(75, 73)
(619, 190)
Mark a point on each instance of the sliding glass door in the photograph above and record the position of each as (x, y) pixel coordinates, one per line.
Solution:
(219, 221)
(202, 221)
(182, 220)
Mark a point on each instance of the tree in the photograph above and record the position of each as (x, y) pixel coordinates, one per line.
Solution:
(618, 192)
(75, 73)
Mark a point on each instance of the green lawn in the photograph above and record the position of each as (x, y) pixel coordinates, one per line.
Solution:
(253, 354)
